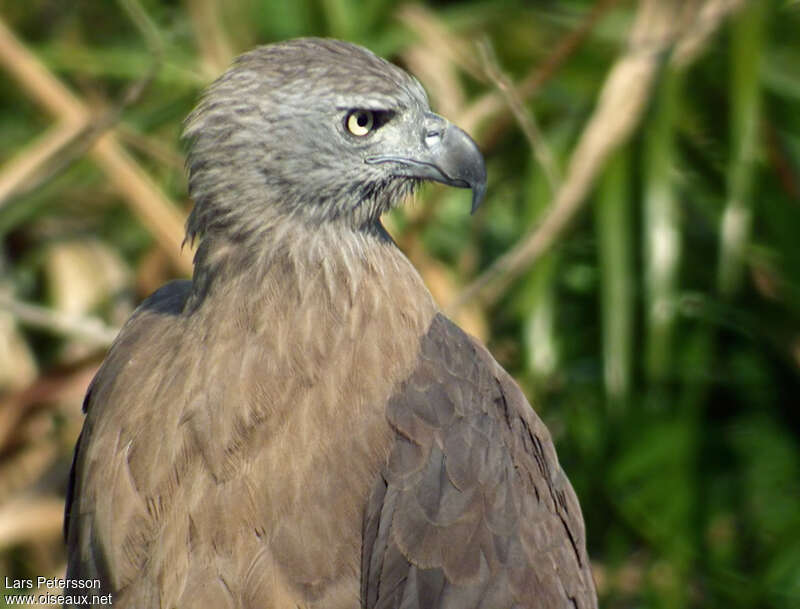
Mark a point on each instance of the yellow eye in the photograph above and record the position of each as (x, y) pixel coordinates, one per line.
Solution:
(360, 122)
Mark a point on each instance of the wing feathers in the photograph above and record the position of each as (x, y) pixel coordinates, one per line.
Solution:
(473, 510)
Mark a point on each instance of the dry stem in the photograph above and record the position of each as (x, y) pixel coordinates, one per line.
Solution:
(153, 208)
(657, 28)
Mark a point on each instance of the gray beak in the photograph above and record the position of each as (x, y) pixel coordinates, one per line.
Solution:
(446, 154)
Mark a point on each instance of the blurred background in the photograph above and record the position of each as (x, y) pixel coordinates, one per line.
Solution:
(636, 263)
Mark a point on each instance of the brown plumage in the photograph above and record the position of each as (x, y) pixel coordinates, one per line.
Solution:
(298, 426)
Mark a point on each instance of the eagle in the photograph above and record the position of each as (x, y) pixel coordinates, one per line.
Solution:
(299, 425)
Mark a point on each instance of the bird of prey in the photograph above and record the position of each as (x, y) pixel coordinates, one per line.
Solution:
(299, 426)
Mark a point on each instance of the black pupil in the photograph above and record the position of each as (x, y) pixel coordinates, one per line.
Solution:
(362, 119)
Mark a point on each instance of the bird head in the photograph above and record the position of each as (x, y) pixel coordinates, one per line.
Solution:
(319, 130)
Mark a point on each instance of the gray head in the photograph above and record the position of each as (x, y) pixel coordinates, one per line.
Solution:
(317, 130)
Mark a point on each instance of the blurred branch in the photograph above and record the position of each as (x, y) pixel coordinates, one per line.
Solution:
(623, 98)
(153, 208)
(441, 76)
(21, 468)
(89, 329)
(526, 119)
(440, 39)
(150, 146)
(19, 173)
(55, 386)
(61, 147)
(24, 519)
(491, 104)
(209, 34)
(66, 143)
(707, 21)
(147, 29)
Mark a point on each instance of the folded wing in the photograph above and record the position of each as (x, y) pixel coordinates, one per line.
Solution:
(473, 510)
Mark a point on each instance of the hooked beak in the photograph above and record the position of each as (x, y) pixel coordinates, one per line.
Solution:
(446, 154)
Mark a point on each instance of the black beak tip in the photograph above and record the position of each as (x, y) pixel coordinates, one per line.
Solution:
(478, 192)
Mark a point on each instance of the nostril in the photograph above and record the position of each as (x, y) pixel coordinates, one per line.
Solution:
(433, 137)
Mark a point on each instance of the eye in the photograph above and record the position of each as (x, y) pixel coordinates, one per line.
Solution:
(360, 122)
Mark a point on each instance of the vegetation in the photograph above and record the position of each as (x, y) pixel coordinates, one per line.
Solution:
(636, 263)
